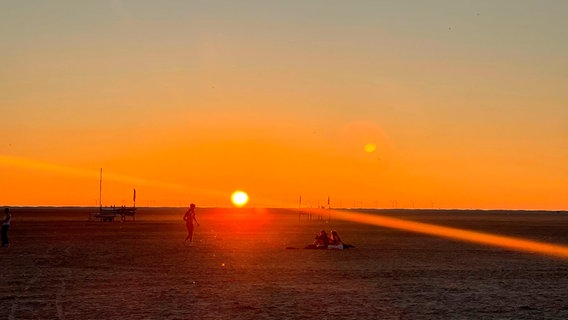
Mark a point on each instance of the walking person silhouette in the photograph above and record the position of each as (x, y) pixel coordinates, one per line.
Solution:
(189, 217)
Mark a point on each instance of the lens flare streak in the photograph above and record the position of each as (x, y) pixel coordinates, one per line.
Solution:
(511, 243)
(78, 172)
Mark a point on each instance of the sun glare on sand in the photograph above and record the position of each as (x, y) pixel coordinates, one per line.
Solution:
(239, 198)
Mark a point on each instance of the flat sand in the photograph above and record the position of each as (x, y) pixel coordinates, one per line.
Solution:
(61, 266)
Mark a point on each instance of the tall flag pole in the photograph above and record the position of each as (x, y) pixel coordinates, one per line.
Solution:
(300, 208)
(101, 190)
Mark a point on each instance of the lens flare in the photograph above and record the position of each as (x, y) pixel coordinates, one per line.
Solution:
(239, 198)
(510, 243)
(94, 174)
(370, 147)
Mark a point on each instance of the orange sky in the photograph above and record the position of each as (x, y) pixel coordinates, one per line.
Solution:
(187, 102)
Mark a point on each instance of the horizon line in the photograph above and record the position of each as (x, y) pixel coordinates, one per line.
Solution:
(290, 208)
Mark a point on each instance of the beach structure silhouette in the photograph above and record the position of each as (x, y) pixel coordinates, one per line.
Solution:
(108, 214)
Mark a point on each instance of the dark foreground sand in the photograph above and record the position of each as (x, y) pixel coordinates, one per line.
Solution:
(62, 267)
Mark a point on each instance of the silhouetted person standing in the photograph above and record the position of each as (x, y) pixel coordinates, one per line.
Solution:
(5, 227)
(189, 217)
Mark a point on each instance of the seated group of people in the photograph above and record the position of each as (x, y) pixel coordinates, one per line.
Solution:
(323, 241)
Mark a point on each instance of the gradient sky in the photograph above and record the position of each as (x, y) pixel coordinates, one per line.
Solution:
(465, 103)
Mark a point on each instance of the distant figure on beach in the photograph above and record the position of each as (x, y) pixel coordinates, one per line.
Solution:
(321, 240)
(334, 240)
(5, 227)
(189, 217)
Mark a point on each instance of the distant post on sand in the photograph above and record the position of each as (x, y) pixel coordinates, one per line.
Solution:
(300, 208)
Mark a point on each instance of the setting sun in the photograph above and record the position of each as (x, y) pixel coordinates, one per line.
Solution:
(239, 198)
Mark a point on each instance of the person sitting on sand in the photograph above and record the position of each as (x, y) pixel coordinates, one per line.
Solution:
(321, 240)
(334, 240)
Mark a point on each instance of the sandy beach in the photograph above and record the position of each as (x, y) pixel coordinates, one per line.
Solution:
(62, 266)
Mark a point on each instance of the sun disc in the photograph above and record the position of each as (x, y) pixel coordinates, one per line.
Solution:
(239, 198)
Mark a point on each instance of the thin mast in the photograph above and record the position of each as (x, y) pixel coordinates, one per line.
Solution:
(101, 190)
